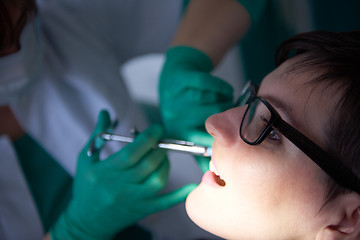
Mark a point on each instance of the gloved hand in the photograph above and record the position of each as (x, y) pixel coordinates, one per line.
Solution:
(112, 194)
(189, 94)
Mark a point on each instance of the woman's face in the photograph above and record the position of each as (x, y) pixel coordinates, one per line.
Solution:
(272, 190)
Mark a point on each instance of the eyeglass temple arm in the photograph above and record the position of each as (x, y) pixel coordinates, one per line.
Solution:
(333, 168)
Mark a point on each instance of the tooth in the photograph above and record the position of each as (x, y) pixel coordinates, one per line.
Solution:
(213, 169)
(211, 166)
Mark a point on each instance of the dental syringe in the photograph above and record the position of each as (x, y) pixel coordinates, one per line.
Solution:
(168, 144)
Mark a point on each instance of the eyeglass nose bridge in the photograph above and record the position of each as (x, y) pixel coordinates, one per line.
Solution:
(248, 91)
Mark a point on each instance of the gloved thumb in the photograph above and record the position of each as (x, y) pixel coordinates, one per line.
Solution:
(103, 123)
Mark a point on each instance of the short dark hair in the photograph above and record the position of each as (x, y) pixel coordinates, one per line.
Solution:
(9, 31)
(336, 56)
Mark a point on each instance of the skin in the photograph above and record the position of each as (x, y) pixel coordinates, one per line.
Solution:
(270, 186)
(268, 194)
(212, 26)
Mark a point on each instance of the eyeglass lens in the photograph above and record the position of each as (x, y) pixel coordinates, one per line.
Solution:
(255, 121)
(245, 95)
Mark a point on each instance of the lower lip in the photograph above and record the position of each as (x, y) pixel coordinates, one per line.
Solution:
(209, 179)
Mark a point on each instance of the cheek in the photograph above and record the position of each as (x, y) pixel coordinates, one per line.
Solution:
(282, 192)
(277, 178)
(263, 192)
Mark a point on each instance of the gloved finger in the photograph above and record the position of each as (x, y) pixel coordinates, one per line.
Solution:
(168, 200)
(156, 181)
(102, 124)
(132, 153)
(203, 163)
(195, 102)
(193, 87)
(201, 111)
(180, 78)
(144, 168)
(208, 83)
(176, 117)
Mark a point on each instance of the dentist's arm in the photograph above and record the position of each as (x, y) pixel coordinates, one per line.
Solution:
(213, 26)
(189, 94)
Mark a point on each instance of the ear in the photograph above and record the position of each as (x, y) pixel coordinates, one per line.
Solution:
(344, 222)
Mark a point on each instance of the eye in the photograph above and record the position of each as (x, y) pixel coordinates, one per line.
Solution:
(274, 136)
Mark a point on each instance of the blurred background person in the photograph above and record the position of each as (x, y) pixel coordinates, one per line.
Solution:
(59, 67)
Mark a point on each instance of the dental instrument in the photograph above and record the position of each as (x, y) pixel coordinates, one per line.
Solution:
(168, 144)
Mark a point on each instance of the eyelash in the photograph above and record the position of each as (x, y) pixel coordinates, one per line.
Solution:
(274, 136)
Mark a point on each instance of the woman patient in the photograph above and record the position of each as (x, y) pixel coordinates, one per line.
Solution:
(269, 181)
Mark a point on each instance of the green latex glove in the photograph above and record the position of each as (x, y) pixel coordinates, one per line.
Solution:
(112, 194)
(189, 94)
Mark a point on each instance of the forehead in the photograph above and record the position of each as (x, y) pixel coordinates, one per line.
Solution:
(308, 106)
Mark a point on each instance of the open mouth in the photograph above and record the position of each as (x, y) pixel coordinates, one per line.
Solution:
(216, 175)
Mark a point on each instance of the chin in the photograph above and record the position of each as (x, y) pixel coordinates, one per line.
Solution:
(192, 207)
(199, 209)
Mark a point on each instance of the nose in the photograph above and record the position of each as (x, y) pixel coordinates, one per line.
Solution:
(224, 127)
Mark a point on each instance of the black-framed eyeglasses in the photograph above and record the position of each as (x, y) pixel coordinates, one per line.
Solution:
(259, 121)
